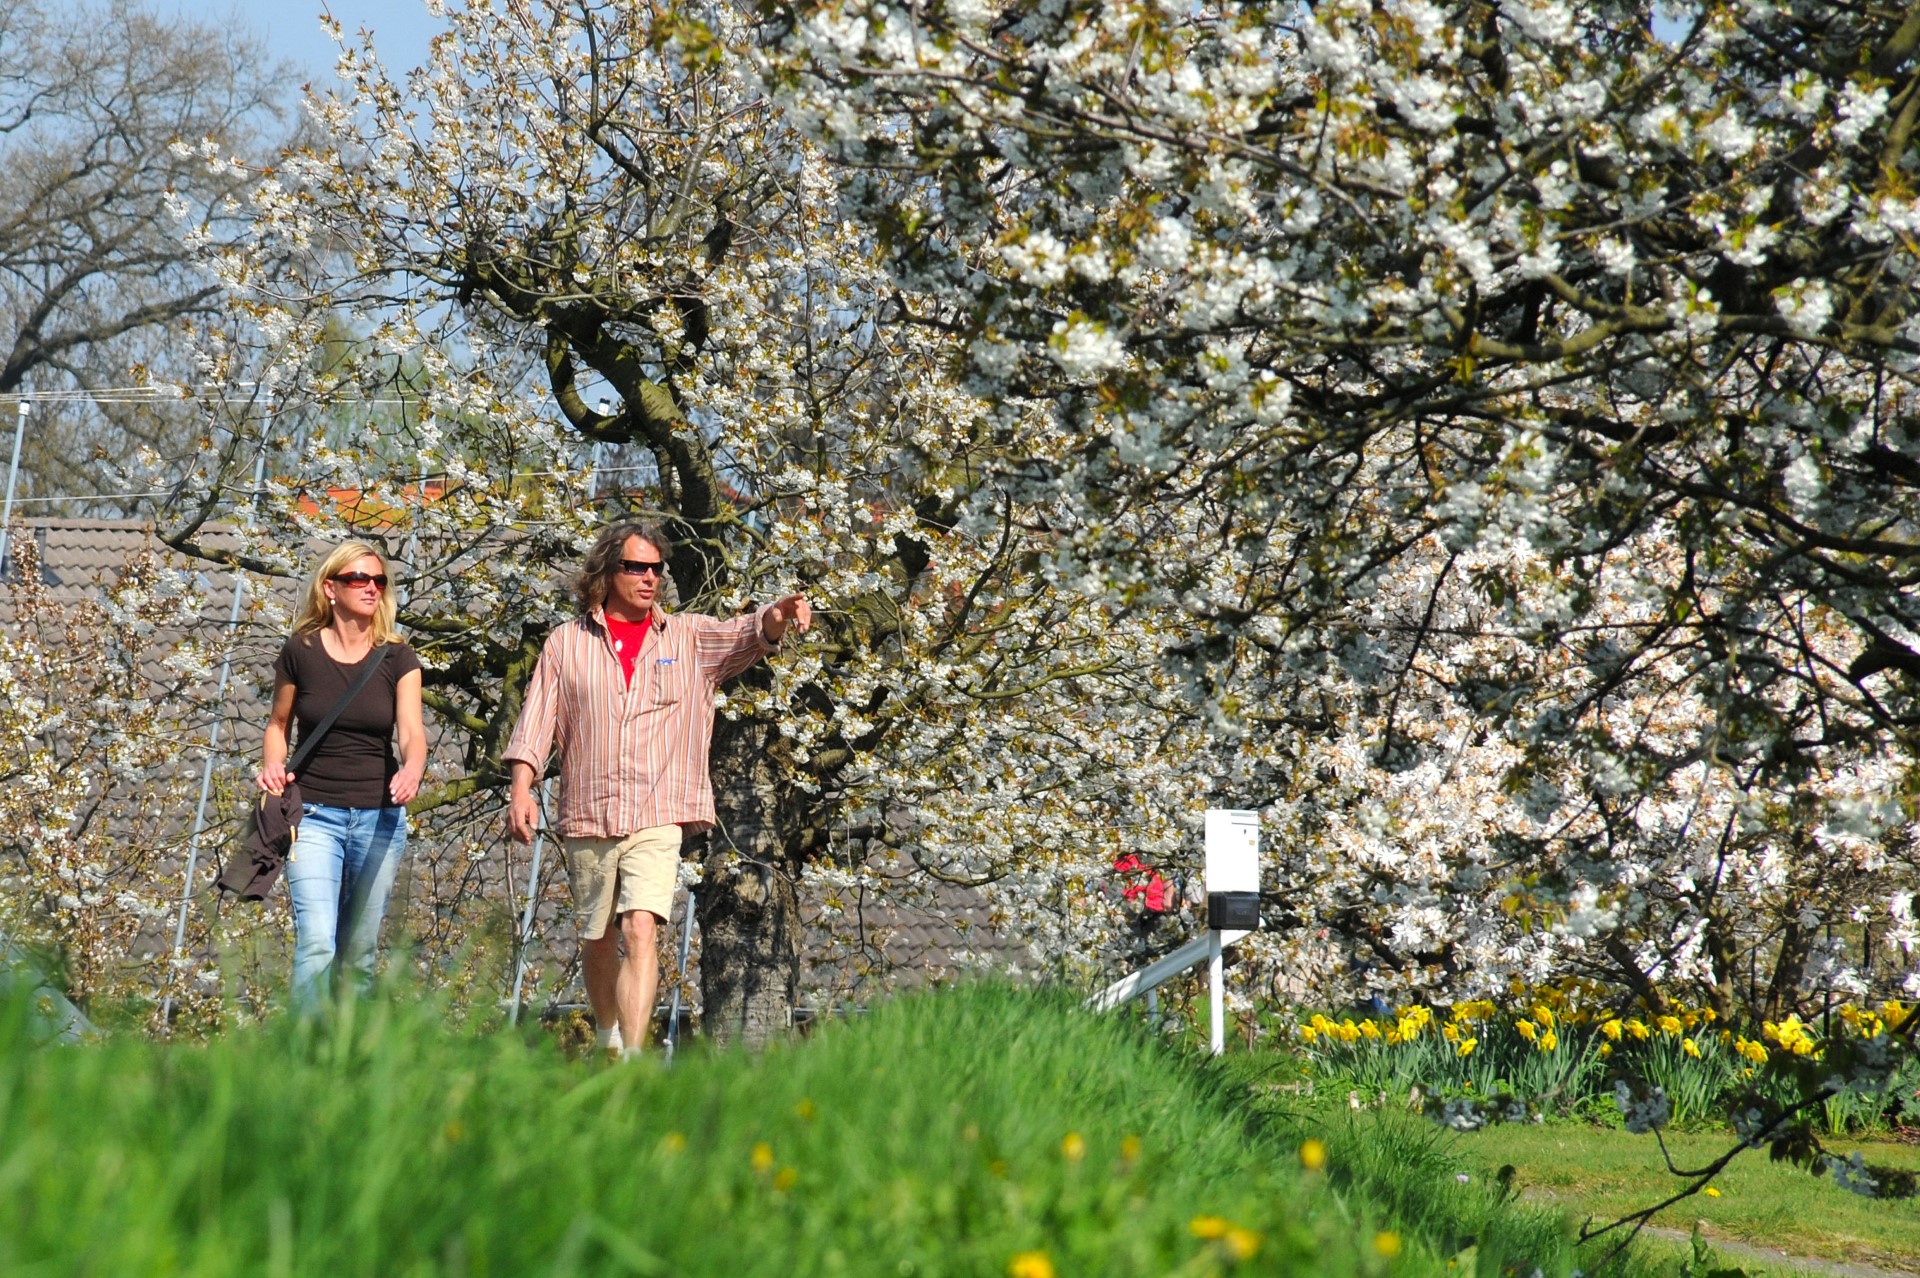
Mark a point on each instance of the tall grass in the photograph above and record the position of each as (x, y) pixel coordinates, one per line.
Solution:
(977, 1131)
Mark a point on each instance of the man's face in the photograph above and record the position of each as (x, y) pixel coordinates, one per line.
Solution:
(636, 594)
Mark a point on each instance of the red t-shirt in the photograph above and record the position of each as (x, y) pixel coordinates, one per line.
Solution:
(627, 637)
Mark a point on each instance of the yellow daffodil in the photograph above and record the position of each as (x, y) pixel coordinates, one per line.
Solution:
(1669, 1025)
(1543, 1014)
(1549, 1041)
(1527, 1030)
(1612, 1029)
(1690, 1047)
(1637, 1029)
(1466, 1047)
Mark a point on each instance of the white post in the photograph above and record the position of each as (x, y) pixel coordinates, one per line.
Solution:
(533, 900)
(1233, 897)
(13, 474)
(213, 746)
(1216, 994)
(679, 979)
(593, 475)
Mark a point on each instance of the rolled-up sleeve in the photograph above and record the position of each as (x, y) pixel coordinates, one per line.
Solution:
(728, 647)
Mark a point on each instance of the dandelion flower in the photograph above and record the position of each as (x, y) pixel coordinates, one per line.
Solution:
(1209, 1226)
(1313, 1153)
(1241, 1243)
(762, 1157)
(1387, 1243)
(1030, 1264)
(1073, 1147)
(1711, 1192)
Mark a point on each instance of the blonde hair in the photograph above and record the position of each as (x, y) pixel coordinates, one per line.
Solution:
(316, 610)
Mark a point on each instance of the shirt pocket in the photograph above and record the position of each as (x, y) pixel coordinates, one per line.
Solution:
(667, 677)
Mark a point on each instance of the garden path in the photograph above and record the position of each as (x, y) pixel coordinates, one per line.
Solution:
(1746, 1253)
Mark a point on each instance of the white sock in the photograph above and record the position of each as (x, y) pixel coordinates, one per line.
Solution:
(607, 1037)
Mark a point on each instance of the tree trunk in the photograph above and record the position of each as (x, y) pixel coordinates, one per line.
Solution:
(1783, 991)
(749, 908)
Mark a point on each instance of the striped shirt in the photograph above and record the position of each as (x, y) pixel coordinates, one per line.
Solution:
(632, 754)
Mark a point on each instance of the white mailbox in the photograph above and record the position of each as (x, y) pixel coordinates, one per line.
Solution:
(1233, 850)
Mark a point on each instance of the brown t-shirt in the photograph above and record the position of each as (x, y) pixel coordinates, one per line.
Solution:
(353, 763)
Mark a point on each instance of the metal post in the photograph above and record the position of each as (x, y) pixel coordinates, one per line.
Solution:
(533, 900)
(679, 980)
(1153, 1010)
(13, 474)
(1216, 994)
(593, 472)
(213, 747)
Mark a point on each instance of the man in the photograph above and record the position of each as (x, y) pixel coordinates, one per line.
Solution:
(628, 690)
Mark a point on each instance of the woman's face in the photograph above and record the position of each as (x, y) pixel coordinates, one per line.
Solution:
(358, 598)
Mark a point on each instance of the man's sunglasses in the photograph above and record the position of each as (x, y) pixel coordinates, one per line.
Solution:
(639, 567)
(379, 579)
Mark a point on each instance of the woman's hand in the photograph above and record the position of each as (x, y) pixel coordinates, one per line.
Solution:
(406, 783)
(274, 778)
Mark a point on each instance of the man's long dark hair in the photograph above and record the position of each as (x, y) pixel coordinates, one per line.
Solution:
(595, 579)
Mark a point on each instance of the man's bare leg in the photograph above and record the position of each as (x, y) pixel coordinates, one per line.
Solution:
(600, 971)
(638, 983)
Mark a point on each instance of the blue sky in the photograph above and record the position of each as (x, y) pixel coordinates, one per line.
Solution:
(401, 28)
(291, 29)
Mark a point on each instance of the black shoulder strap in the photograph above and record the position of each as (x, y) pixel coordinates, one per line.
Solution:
(308, 744)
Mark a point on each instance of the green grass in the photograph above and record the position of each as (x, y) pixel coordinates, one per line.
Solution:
(944, 1134)
(1606, 1172)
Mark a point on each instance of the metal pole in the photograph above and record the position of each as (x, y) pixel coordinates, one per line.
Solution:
(1216, 995)
(1153, 1010)
(13, 474)
(206, 770)
(679, 979)
(533, 900)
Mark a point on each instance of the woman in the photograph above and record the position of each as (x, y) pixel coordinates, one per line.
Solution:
(353, 791)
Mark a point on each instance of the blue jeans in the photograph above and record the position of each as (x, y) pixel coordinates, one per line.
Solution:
(340, 870)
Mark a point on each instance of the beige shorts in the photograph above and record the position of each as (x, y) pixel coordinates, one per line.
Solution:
(612, 876)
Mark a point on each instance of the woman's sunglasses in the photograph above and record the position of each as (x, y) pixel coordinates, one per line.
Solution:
(379, 579)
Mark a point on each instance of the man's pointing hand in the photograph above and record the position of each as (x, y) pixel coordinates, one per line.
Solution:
(794, 610)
